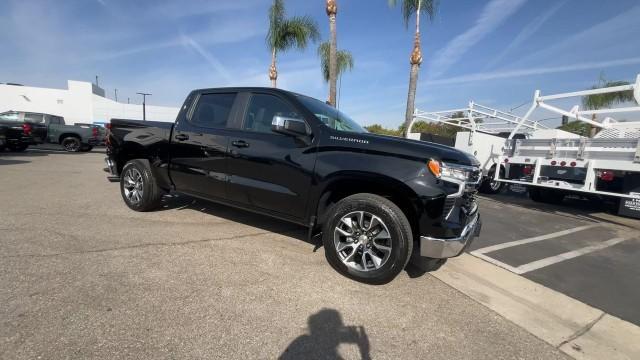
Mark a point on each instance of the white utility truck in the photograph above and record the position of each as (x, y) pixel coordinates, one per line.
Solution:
(554, 163)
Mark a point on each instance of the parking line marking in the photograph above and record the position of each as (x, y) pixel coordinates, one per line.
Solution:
(495, 262)
(533, 239)
(568, 255)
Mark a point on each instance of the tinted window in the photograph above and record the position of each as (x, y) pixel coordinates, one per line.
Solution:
(213, 110)
(262, 109)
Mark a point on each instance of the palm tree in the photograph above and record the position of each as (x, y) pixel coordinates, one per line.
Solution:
(344, 61)
(286, 33)
(332, 11)
(600, 101)
(410, 7)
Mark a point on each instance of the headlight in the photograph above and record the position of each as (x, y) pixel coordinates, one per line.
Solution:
(444, 171)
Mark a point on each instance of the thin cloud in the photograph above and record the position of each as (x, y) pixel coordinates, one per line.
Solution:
(527, 32)
(484, 76)
(208, 57)
(492, 16)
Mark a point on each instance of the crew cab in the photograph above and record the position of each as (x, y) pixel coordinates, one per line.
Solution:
(376, 201)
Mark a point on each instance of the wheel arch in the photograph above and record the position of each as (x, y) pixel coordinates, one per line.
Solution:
(343, 184)
(68, 134)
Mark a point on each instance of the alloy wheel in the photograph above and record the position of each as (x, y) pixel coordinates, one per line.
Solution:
(133, 185)
(362, 241)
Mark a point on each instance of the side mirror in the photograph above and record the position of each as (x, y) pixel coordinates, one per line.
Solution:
(289, 126)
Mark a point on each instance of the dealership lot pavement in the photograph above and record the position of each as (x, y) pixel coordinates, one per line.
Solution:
(82, 276)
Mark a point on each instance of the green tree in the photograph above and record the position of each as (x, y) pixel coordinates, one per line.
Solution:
(378, 129)
(333, 67)
(286, 33)
(601, 101)
(576, 127)
(409, 8)
(344, 61)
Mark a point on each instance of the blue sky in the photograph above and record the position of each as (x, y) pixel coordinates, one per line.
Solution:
(495, 52)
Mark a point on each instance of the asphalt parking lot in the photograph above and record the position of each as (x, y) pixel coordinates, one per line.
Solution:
(82, 276)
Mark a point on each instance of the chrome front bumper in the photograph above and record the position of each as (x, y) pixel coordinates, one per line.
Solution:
(438, 248)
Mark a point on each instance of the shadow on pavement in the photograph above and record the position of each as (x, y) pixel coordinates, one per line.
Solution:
(326, 333)
(182, 202)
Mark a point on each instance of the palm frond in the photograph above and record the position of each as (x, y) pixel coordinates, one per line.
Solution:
(277, 15)
(409, 7)
(600, 101)
(343, 57)
(297, 32)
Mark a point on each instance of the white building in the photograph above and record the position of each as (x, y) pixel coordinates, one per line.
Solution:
(81, 102)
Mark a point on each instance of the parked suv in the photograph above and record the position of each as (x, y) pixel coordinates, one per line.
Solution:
(377, 200)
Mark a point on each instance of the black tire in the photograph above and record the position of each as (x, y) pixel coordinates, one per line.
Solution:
(18, 147)
(86, 148)
(489, 186)
(547, 196)
(71, 144)
(151, 194)
(400, 237)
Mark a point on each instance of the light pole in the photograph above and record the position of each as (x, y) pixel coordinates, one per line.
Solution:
(144, 102)
(115, 92)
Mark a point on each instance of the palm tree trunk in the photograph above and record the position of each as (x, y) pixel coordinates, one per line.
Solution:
(415, 60)
(332, 10)
(273, 71)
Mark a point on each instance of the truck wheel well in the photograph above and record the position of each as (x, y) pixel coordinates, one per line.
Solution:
(396, 191)
(130, 151)
(66, 135)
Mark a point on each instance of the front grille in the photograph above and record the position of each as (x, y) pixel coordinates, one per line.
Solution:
(449, 203)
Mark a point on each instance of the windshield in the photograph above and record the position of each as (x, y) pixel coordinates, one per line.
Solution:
(330, 116)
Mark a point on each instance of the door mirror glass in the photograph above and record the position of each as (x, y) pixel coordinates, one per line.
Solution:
(289, 126)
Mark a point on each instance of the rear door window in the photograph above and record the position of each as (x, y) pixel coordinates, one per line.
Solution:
(212, 110)
(33, 118)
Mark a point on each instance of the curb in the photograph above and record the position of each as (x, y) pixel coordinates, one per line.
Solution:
(573, 327)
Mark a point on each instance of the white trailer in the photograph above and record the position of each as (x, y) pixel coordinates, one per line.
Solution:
(484, 134)
(553, 163)
(605, 166)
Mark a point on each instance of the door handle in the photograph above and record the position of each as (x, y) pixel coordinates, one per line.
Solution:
(182, 137)
(240, 143)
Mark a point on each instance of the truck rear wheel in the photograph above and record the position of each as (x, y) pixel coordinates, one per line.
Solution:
(367, 238)
(138, 186)
(71, 144)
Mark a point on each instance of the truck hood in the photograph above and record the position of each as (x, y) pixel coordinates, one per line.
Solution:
(420, 149)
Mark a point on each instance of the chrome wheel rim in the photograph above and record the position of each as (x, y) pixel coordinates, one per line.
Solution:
(133, 185)
(362, 241)
(494, 185)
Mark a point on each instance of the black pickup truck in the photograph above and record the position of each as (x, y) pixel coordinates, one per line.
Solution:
(377, 201)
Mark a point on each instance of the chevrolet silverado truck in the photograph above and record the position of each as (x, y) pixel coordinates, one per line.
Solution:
(376, 201)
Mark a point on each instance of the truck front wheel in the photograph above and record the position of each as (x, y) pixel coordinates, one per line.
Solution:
(138, 186)
(489, 185)
(367, 238)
